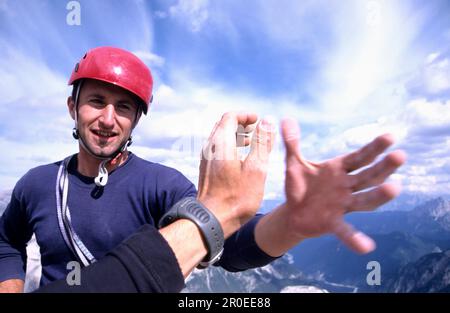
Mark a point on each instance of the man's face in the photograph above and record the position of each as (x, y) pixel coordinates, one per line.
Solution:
(106, 114)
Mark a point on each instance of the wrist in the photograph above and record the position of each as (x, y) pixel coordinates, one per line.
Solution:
(223, 213)
(209, 226)
(187, 243)
(275, 234)
(292, 225)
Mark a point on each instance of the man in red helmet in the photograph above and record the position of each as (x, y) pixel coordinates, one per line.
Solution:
(89, 203)
(84, 206)
(113, 71)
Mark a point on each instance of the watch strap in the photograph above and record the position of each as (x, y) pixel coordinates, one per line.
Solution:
(210, 228)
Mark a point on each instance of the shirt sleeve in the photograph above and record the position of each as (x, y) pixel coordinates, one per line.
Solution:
(241, 252)
(142, 263)
(14, 235)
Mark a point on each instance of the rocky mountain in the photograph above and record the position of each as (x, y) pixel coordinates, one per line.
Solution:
(436, 211)
(402, 237)
(430, 221)
(406, 201)
(279, 276)
(334, 262)
(431, 273)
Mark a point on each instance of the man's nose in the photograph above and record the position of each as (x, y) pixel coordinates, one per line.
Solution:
(107, 116)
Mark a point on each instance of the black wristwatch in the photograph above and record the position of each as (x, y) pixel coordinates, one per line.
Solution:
(190, 208)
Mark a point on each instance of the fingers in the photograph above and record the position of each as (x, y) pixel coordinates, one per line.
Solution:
(291, 135)
(223, 140)
(243, 134)
(290, 131)
(211, 135)
(372, 199)
(354, 239)
(378, 173)
(367, 154)
(208, 148)
(262, 143)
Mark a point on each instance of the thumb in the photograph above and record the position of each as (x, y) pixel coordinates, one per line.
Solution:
(262, 142)
(354, 239)
(290, 132)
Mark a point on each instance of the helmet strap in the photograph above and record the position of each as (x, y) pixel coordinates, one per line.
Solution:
(102, 178)
(75, 132)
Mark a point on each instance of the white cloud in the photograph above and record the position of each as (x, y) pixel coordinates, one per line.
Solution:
(433, 78)
(437, 75)
(34, 122)
(149, 58)
(288, 23)
(191, 110)
(431, 57)
(23, 156)
(192, 12)
(33, 100)
(367, 59)
(422, 129)
(423, 113)
(24, 77)
(361, 50)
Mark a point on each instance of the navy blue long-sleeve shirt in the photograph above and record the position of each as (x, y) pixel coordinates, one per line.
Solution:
(138, 192)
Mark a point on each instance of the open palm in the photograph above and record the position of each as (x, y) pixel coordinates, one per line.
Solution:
(318, 195)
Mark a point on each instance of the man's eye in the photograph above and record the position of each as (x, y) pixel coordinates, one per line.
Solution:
(96, 101)
(124, 106)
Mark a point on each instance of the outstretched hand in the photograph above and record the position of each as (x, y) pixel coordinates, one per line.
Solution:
(318, 195)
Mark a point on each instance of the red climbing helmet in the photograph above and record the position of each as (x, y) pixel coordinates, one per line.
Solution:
(118, 67)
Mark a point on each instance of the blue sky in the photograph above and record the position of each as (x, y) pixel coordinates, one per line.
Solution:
(346, 70)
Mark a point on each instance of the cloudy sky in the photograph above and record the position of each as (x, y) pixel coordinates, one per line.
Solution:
(346, 70)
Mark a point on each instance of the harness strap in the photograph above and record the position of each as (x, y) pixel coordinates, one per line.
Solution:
(71, 238)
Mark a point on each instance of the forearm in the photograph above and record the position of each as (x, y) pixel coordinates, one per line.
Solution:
(12, 286)
(185, 239)
(273, 235)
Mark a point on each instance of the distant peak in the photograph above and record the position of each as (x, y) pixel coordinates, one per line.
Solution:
(436, 207)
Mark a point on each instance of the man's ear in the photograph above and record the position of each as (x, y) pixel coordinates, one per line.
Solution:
(71, 106)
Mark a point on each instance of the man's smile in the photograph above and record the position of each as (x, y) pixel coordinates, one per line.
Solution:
(103, 134)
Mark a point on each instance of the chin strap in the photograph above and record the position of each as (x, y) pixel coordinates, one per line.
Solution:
(102, 178)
